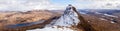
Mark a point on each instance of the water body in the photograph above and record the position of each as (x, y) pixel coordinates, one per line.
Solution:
(24, 24)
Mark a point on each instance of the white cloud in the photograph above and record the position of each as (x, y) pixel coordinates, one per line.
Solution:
(101, 4)
(25, 4)
(46, 4)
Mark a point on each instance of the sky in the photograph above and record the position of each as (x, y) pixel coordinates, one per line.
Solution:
(14, 5)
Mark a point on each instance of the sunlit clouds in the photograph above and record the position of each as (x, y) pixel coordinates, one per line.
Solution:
(21, 5)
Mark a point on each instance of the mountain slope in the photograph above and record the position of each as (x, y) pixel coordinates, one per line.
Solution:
(67, 21)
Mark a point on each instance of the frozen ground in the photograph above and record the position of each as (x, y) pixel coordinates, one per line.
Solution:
(52, 29)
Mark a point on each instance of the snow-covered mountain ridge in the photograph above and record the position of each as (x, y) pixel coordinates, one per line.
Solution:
(65, 22)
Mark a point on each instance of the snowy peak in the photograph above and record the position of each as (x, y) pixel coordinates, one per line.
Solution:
(68, 19)
(64, 23)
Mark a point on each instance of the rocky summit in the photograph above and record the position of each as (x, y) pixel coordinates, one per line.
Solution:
(68, 20)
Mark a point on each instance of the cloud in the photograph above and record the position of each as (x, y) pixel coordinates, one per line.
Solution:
(101, 4)
(21, 5)
(14, 5)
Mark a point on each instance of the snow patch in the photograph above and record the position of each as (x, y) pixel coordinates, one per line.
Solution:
(53, 29)
(102, 19)
(112, 22)
(110, 15)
